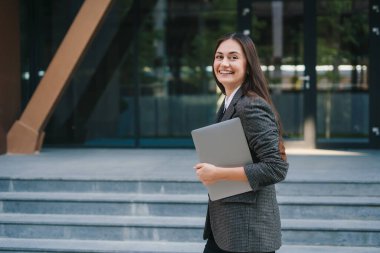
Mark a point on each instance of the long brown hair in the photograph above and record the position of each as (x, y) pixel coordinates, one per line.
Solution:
(255, 81)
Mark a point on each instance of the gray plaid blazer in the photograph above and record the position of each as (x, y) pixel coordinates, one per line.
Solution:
(250, 222)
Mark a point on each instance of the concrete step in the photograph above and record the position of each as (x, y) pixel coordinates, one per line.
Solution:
(180, 229)
(331, 232)
(115, 186)
(289, 187)
(87, 246)
(104, 203)
(330, 207)
(116, 228)
(325, 249)
(328, 188)
(310, 207)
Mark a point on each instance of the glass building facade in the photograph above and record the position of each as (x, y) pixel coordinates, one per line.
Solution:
(146, 79)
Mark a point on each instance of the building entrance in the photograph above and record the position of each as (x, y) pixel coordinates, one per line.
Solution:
(146, 80)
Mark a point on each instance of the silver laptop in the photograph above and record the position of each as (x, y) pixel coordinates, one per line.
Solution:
(223, 144)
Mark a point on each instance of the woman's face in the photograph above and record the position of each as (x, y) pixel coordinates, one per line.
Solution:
(230, 65)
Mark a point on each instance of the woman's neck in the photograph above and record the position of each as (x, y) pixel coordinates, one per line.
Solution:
(230, 90)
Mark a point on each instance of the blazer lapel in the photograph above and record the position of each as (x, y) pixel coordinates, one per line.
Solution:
(219, 114)
(231, 108)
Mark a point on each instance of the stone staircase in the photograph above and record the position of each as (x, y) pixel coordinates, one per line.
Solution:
(77, 215)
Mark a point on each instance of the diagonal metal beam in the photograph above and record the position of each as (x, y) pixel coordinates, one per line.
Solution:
(26, 135)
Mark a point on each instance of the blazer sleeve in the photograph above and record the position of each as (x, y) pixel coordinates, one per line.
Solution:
(262, 134)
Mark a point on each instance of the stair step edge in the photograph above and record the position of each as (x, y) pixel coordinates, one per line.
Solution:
(182, 222)
(178, 198)
(55, 245)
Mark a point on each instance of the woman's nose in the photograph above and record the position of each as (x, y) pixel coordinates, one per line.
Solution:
(225, 62)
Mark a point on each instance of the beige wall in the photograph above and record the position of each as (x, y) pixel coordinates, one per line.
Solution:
(10, 90)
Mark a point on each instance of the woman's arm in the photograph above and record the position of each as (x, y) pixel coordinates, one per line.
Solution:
(262, 134)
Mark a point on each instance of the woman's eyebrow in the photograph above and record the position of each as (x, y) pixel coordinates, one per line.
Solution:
(232, 52)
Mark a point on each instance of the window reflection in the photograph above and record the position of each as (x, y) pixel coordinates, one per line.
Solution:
(278, 31)
(342, 76)
(147, 76)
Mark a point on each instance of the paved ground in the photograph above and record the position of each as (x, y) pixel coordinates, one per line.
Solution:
(177, 164)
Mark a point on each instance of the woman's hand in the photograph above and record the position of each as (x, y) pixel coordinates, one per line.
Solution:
(207, 173)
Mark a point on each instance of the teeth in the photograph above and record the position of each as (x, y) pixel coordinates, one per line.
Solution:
(225, 72)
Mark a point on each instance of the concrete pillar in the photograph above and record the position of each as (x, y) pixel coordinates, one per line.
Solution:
(244, 17)
(277, 26)
(277, 30)
(159, 15)
(10, 81)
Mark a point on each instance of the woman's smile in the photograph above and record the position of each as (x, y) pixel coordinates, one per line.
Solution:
(224, 72)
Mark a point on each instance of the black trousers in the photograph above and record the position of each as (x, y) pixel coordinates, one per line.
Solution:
(212, 247)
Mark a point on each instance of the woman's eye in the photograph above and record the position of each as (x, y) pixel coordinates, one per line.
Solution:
(234, 57)
(219, 57)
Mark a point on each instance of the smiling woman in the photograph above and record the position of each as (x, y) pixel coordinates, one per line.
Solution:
(247, 222)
